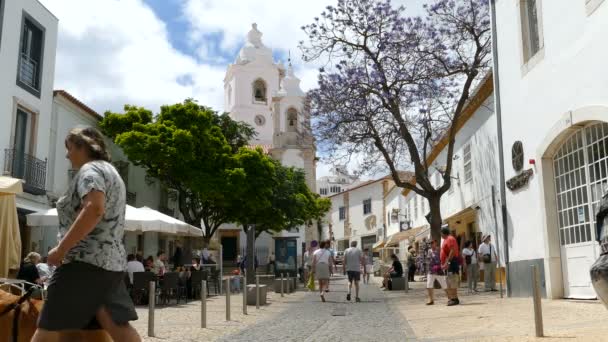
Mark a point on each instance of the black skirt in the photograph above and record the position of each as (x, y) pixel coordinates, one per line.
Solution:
(77, 291)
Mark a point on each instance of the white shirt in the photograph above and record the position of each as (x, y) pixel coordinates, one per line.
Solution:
(352, 258)
(45, 271)
(322, 255)
(205, 254)
(134, 266)
(471, 252)
(485, 248)
(159, 267)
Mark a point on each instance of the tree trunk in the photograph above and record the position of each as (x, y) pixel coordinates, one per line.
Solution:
(435, 218)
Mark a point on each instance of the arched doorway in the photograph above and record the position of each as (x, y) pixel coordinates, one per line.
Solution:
(580, 169)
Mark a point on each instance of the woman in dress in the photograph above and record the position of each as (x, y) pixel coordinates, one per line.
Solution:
(435, 273)
(87, 290)
(321, 264)
(470, 257)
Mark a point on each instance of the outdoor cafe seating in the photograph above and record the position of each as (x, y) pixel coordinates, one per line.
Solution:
(170, 287)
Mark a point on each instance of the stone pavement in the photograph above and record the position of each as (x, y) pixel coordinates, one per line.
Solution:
(487, 317)
(311, 320)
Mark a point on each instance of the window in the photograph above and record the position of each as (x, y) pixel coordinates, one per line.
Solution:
(468, 165)
(259, 91)
(30, 56)
(335, 189)
(342, 213)
(592, 5)
(530, 28)
(292, 120)
(323, 191)
(415, 214)
(437, 179)
(367, 206)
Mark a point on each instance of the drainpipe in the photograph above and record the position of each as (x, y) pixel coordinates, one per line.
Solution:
(497, 108)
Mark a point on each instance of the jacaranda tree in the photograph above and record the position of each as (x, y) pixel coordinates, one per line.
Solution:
(393, 86)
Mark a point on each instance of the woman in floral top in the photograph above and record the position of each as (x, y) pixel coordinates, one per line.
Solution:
(87, 290)
(434, 272)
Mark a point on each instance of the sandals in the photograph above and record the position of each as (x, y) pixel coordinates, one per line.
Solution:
(323, 298)
(430, 303)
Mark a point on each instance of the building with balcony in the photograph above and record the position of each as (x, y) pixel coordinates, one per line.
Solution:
(28, 40)
(339, 180)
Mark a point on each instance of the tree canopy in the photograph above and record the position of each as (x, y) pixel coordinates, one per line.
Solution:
(201, 154)
(394, 86)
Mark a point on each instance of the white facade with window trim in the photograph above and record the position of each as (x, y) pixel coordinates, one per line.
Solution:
(554, 102)
(28, 43)
(366, 213)
(467, 208)
(337, 181)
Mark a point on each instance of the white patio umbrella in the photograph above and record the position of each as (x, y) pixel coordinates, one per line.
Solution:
(136, 220)
(181, 228)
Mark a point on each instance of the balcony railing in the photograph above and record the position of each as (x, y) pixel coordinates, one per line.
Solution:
(27, 71)
(131, 197)
(28, 168)
(166, 210)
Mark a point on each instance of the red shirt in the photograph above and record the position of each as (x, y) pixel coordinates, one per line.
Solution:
(448, 244)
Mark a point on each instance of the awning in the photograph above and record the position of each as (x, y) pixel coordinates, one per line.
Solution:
(10, 239)
(136, 220)
(378, 245)
(394, 239)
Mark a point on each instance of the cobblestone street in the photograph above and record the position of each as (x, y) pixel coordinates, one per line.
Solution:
(336, 320)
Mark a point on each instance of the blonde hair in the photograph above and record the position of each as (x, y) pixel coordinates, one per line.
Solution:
(91, 139)
(32, 257)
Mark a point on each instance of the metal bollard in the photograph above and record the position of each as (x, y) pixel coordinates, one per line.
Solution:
(151, 304)
(407, 283)
(282, 290)
(220, 265)
(538, 312)
(244, 295)
(204, 304)
(228, 298)
(257, 291)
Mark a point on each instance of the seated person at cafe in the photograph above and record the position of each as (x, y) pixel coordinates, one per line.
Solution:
(133, 266)
(396, 271)
(149, 264)
(29, 272)
(159, 264)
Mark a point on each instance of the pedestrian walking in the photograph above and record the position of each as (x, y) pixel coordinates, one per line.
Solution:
(450, 255)
(88, 289)
(470, 259)
(411, 263)
(487, 252)
(435, 273)
(320, 267)
(353, 260)
(368, 268)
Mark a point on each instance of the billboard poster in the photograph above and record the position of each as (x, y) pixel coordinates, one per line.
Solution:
(286, 250)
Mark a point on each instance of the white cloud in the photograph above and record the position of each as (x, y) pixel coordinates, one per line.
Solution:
(116, 52)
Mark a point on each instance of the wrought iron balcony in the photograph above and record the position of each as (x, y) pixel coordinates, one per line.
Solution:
(27, 71)
(28, 168)
(166, 210)
(131, 198)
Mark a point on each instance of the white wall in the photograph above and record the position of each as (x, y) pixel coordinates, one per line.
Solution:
(539, 102)
(241, 79)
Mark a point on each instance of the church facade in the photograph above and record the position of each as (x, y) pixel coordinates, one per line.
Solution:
(267, 95)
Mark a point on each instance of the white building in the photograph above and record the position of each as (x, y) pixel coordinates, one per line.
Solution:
(339, 180)
(366, 213)
(266, 95)
(469, 205)
(553, 93)
(28, 41)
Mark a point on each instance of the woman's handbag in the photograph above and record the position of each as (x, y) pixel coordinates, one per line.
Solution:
(311, 282)
(468, 259)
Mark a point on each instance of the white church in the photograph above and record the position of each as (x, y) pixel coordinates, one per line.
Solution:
(267, 95)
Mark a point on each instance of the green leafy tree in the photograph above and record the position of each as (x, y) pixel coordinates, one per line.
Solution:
(189, 148)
